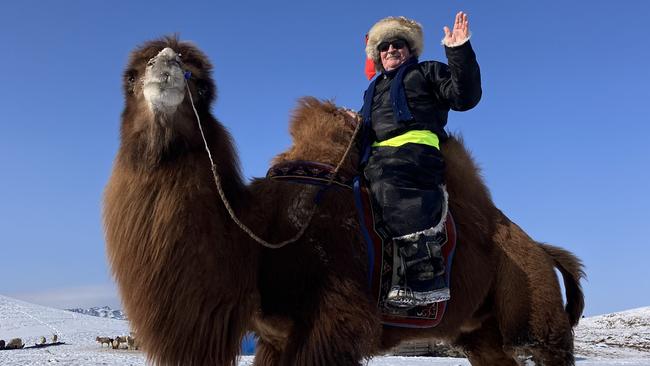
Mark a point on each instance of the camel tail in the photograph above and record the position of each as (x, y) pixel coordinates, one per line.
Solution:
(572, 271)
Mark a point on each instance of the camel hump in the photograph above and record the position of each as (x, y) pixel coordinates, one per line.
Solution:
(572, 271)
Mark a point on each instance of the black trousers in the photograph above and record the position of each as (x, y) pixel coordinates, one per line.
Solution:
(405, 184)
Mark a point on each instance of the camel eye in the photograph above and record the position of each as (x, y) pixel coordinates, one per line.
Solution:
(130, 80)
(202, 89)
(131, 76)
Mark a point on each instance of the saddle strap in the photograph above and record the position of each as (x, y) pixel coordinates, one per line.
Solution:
(309, 172)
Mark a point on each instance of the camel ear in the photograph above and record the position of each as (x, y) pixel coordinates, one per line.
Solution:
(201, 88)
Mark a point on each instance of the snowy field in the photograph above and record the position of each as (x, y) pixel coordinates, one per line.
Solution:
(613, 339)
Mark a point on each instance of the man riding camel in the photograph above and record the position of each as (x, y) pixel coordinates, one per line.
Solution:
(404, 114)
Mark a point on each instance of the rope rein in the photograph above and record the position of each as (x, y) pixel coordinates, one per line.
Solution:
(222, 195)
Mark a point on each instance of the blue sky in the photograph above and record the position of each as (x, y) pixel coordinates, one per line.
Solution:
(561, 132)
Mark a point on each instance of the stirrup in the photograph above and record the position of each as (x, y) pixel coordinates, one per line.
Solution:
(401, 297)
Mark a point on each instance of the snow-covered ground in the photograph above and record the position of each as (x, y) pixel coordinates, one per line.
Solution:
(613, 339)
(28, 321)
(617, 335)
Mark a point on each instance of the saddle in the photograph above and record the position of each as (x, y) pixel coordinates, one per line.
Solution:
(379, 243)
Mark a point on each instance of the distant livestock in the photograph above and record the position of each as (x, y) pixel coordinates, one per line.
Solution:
(15, 343)
(132, 343)
(118, 341)
(107, 340)
(41, 341)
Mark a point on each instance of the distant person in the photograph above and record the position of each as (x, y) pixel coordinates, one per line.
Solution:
(404, 114)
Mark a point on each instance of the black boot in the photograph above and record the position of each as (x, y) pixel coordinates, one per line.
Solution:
(420, 276)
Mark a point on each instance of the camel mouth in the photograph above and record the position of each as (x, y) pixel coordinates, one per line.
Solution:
(164, 81)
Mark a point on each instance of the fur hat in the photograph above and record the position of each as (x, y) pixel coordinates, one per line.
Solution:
(391, 28)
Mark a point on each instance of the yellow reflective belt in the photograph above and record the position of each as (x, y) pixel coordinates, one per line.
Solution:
(424, 137)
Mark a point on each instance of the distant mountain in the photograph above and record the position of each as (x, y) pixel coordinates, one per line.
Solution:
(102, 312)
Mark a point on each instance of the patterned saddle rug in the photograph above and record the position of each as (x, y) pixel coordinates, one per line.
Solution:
(380, 248)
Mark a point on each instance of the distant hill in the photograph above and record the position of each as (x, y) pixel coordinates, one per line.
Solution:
(31, 321)
(616, 335)
(102, 312)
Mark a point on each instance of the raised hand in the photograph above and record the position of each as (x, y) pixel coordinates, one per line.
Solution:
(460, 32)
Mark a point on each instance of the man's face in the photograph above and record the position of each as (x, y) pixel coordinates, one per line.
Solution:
(393, 53)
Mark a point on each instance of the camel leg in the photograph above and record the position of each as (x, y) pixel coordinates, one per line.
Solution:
(484, 346)
(341, 330)
(549, 342)
(534, 324)
(550, 355)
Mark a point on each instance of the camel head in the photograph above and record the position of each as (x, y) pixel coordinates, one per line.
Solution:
(163, 83)
(321, 131)
(158, 113)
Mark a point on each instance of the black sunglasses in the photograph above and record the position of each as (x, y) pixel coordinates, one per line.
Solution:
(397, 44)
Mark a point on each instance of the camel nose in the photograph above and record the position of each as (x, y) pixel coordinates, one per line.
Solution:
(170, 57)
(167, 57)
(167, 54)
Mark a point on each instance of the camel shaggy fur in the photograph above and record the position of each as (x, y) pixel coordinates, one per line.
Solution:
(315, 308)
(193, 283)
(187, 280)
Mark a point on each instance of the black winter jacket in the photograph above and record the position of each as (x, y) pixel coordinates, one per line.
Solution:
(431, 88)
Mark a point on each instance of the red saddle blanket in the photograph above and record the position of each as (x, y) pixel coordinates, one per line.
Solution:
(380, 248)
(380, 257)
